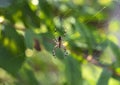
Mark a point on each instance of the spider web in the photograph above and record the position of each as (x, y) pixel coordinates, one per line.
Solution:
(93, 16)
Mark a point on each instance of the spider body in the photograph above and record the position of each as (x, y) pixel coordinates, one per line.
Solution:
(59, 41)
(59, 44)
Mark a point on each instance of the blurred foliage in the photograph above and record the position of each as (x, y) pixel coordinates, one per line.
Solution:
(27, 30)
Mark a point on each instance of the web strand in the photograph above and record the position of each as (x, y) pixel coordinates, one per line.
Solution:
(96, 14)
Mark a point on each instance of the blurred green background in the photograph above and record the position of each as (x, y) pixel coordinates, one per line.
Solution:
(27, 30)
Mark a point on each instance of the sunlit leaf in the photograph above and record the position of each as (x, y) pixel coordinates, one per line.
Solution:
(116, 51)
(104, 77)
(12, 50)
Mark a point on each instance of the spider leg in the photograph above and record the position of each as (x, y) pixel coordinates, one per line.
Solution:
(55, 40)
(54, 49)
(65, 52)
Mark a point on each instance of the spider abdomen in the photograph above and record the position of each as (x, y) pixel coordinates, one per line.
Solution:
(59, 41)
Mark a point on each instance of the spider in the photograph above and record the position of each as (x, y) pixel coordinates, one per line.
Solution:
(59, 44)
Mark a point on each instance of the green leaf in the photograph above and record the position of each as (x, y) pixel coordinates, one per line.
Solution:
(45, 7)
(87, 35)
(116, 51)
(29, 17)
(30, 38)
(27, 76)
(104, 77)
(73, 71)
(12, 50)
(29, 35)
(47, 41)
